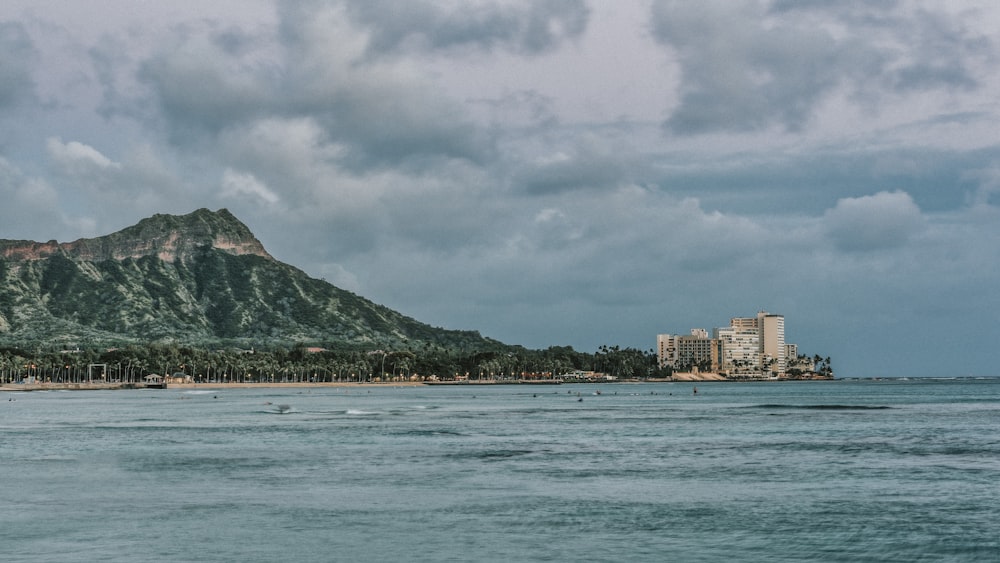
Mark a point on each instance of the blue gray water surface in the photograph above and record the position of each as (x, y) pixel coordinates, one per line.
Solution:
(811, 471)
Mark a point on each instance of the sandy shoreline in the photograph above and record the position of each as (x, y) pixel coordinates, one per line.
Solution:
(116, 386)
(697, 377)
(304, 384)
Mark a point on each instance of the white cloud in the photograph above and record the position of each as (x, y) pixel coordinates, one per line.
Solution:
(880, 221)
(74, 153)
(239, 185)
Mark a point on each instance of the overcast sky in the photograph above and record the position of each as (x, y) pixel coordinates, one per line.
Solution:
(548, 172)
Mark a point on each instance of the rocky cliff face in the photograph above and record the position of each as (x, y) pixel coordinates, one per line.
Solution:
(166, 237)
(193, 278)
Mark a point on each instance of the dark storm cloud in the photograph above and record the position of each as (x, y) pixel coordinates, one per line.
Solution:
(740, 75)
(106, 58)
(522, 27)
(236, 41)
(201, 90)
(30, 206)
(380, 113)
(868, 11)
(748, 67)
(17, 53)
(415, 130)
(942, 48)
(929, 49)
(588, 163)
(814, 181)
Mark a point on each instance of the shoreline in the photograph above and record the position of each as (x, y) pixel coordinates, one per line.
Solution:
(678, 378)
(707, 376)
(25, 387)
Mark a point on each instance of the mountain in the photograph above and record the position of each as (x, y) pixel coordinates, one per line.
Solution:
(196, 278)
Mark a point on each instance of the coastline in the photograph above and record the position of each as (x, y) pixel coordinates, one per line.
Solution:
(96, 386)
(24, 387)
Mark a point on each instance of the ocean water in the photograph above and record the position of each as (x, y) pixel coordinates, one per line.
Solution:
(809, 471)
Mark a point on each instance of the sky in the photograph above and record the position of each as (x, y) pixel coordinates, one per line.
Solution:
(547, 172)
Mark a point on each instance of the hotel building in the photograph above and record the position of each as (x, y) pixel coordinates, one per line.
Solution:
(752, 347)
(695, 351)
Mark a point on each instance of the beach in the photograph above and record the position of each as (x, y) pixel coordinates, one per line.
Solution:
(100, 386)
(678, 376)
(95, 386)
(103, 386)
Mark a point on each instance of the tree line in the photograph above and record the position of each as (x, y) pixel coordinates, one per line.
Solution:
(132, 363)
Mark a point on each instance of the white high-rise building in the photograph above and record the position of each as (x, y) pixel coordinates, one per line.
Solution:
(740, 349)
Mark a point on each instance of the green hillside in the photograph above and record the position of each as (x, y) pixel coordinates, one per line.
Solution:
(195, 278)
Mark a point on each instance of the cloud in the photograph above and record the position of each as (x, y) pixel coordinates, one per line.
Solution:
(95, 182)
(588, 162)
(987, 192)
(750, 66)
(31, 205)
(881, 221)
(291, 154)
(739, 73)
(384, 112)
(74, 154)
(202, 88)
(17, 59)
(239, 185)
(937, 51)
(524, 27)
(380, 113)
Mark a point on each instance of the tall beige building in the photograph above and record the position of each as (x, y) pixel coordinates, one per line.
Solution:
(772, 342)
(666, 349)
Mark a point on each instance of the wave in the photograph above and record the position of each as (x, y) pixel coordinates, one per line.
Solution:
(490, 454)
(831, 407)
(50, 458)
(331, 413)
(438, 432)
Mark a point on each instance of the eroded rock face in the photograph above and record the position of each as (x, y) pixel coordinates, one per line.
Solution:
(167, 237)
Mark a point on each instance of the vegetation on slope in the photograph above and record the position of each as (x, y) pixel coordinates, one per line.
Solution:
(219, 284)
